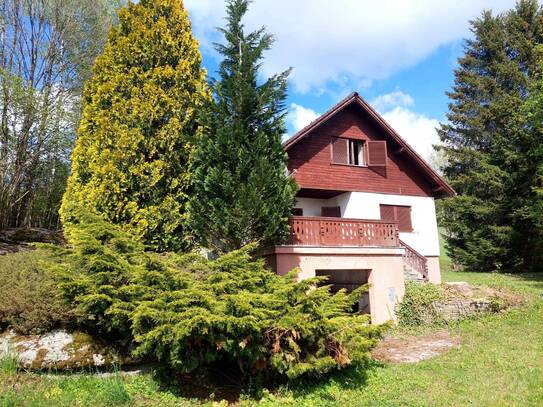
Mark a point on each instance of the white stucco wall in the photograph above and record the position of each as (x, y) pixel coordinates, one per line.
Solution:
(311, 207)
(365, 205)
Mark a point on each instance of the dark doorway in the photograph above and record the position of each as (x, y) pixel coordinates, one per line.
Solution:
(349, 280)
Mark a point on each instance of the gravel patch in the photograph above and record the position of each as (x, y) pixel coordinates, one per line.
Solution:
(414, 349)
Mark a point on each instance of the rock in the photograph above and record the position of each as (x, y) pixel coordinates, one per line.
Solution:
(6, 248)
(460, 286)
(60, 350)
(454, 310)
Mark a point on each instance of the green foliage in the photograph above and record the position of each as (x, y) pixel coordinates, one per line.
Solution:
(491, 164)
(131, 162)
(530, 162)
(94, 274)
(9, 361)
(51, 46)
(191, 312)
(460, 377)
(416, 306)
(242, 192)
(244, 313)
(30, 301)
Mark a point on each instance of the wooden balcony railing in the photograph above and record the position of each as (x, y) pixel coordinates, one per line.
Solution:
(321, 231)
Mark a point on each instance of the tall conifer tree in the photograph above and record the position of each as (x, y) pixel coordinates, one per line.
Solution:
(528, 175)
(242, 192)
(131, 162)
(486, 226)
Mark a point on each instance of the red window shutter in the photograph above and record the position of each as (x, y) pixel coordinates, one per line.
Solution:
(400, 214)
(297, 211)
(387, 212)
(377, 153)
(404, 218)
(331, 211)
(340, 150)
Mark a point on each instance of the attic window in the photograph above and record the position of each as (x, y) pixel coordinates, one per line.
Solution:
(358, 153)
(348, 151)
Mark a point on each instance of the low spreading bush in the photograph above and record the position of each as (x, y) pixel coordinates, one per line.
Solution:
(416, 307)
(30, 301)
(191, 312)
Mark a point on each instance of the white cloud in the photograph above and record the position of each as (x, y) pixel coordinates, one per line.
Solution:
(418, 130)
(300, 116)
(347, 41)
(393, 99)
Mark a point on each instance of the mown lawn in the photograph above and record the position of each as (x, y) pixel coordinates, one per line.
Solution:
(499, 363)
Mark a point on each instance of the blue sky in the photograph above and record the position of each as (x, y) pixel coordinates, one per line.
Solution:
(399, 55)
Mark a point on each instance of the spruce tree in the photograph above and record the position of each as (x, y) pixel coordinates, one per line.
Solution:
(528, 180)
(485, 230)
(131, 162)
(242, 192)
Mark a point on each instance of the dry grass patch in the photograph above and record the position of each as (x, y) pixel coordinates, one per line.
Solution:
(415, 348)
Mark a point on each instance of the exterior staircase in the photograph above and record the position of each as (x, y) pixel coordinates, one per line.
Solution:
(415, 265)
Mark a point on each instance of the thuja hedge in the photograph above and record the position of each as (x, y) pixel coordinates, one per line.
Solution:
(190, 312)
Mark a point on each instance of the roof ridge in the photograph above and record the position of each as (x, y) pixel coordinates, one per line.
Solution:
(355, 96)
(291, 140)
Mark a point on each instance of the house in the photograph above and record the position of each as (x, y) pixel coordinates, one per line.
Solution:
(365, 211)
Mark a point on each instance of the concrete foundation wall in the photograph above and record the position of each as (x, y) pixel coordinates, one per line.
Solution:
(434, 270)
(386, 277)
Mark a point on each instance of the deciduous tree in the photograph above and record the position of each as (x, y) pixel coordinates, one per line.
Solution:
(47, 48)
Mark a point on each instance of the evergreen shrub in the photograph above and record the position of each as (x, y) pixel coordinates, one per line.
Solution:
(191, 313)
(132, 159)
(30, 302)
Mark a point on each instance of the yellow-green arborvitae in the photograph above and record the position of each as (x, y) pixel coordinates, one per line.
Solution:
(131, 162)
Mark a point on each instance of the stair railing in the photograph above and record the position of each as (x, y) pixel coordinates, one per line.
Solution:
(415, 260)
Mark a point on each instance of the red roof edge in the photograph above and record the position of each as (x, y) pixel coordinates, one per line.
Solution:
(444, 187)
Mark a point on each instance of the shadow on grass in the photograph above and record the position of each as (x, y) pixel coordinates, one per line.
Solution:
(537, 277)
(351, 378)
(533, 280)
(225, 383)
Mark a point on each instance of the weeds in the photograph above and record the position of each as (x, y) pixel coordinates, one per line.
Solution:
(9, 361)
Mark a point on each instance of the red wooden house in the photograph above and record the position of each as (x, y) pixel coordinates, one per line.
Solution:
(365, 209)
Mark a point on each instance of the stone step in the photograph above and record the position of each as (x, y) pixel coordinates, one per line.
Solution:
(412, 275)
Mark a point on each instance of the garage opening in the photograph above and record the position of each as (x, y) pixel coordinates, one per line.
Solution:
(349, 280)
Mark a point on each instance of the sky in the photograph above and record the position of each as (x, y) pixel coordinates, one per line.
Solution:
(400, 55)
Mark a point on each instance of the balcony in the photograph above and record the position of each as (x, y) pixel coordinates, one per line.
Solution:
(322, 231)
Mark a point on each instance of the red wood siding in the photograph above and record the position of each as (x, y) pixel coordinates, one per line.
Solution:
(312, 160)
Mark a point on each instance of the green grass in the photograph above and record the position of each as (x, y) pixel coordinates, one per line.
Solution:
(499, 363)
(445, 262)
(9, 362)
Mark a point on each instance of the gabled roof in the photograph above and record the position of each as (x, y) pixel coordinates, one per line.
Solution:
(442, 187)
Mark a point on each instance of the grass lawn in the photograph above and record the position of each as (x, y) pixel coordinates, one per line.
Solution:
(499, 363)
